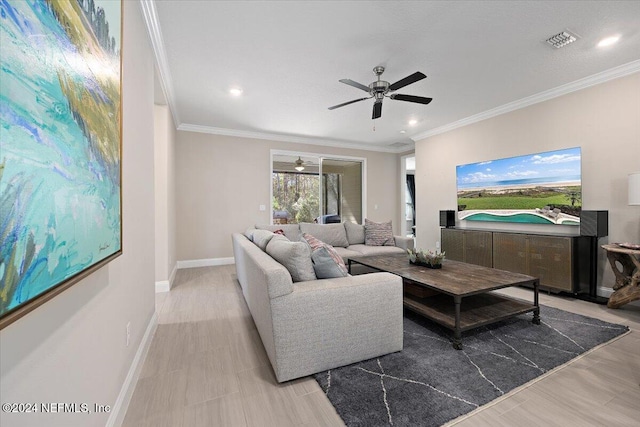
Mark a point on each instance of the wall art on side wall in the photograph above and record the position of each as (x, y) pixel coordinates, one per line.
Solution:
(543, 188)
(60, 147)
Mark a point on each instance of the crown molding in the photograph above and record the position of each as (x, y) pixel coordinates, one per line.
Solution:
(291, 138)
(604, 76)
(157, 44)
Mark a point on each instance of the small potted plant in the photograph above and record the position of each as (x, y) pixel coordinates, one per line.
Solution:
(430, 259)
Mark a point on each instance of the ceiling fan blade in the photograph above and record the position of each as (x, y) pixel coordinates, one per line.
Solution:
(355, 84)
(377, 110)
(417, 76)
(411, 98)
(347, 103)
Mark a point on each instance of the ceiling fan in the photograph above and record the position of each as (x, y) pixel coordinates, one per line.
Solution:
(380, 88)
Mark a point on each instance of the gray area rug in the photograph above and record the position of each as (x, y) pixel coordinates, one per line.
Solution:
(429, 383)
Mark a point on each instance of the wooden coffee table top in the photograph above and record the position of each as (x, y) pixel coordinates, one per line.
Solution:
(454, 278)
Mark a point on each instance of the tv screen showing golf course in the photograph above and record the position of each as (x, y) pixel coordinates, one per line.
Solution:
(542, 188)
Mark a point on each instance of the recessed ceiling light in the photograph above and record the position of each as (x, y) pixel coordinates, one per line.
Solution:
(413, 122)
(403, 131)
(235, 91)
(608, 41)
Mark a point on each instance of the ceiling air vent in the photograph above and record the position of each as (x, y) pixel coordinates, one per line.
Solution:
(562, 39)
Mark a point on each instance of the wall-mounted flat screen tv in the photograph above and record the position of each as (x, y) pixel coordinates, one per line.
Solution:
(542, 188)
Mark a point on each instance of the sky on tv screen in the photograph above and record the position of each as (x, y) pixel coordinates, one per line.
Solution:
(561, 166)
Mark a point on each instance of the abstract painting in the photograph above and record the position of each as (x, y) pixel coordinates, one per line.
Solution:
(542, 188)
(60, 147)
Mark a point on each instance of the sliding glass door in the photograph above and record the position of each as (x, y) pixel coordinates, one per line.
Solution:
(341, 190)
(314, 188)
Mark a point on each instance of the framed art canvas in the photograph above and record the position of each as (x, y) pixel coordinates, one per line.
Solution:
(60, 147)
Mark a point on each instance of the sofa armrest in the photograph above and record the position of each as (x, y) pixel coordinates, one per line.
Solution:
(404, 242)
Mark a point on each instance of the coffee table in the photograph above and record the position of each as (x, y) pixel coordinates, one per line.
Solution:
(458, 296)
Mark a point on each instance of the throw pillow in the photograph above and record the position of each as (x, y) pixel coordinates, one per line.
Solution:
(332, 234)
(292, 231)
(325, 265)
(262, 237)
(249, 233)
(378, 233)
(294, 256)
(316, 244)
(355, 233)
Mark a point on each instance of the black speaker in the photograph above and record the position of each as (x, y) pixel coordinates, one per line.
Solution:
(594, 223)
(447, 219)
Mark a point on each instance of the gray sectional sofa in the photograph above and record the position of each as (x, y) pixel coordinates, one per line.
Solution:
(314, 325)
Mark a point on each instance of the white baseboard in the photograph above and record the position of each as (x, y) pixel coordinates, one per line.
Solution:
(126, 391)
(166, 285)
(163, 286)
(604, 292)
(172, 276)
(192, 263)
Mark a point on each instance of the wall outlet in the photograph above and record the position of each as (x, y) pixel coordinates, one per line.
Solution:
(128, 333)
(262, 208)
(375, 207)
(438, 245)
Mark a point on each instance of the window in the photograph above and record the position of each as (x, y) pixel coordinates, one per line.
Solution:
(314, 188)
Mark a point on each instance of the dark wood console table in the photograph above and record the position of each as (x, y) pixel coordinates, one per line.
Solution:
(562, 262)
(459, 296)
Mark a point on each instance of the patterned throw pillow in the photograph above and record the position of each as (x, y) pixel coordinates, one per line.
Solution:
(318, 244)
(378, 233)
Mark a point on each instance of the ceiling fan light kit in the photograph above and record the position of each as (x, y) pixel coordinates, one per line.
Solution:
(299, 165)
(380, 89)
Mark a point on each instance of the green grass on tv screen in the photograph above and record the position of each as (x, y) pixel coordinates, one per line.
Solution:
(513, 202)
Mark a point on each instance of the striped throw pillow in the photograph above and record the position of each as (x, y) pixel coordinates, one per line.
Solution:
(317, 244)
(378, 233)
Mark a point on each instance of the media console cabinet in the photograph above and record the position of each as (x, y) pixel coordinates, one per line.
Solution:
(560, 261)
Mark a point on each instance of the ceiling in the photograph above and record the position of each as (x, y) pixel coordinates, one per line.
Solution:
(481, 59)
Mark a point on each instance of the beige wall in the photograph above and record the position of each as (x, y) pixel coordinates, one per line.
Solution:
(73, 348)
(603, 120)
(164, 192)
(222, 180)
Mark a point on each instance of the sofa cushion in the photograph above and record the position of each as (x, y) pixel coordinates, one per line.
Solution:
(292, 231)
(378, 233)
(346, 253)
(262, 237)
(332, 234)
(377, 250)
(295, 256)
(355, 233)
(317, 244)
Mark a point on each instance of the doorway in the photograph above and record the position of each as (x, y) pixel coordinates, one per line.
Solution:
(408, 195)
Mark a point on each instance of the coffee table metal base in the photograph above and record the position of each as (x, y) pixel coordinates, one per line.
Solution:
(461, 314)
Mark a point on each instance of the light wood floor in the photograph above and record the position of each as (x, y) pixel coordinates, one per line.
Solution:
(206, 367)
